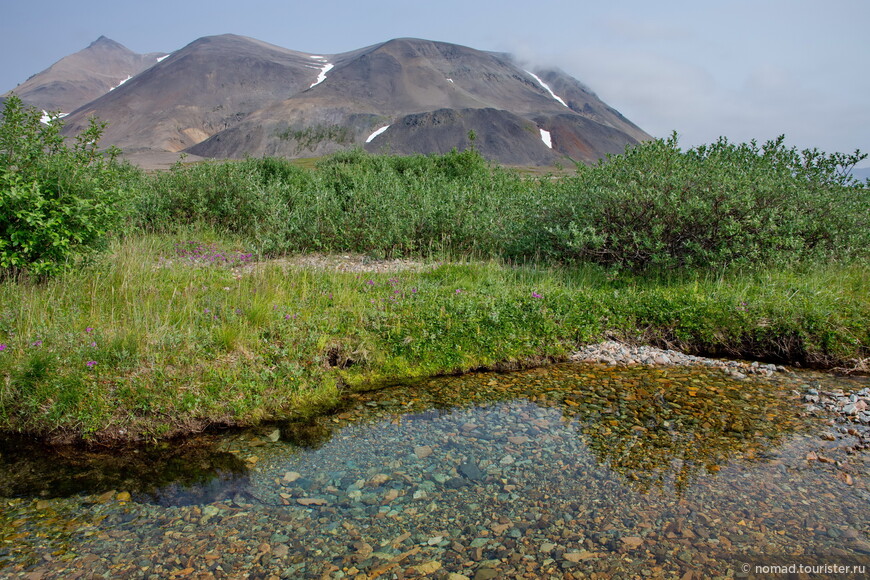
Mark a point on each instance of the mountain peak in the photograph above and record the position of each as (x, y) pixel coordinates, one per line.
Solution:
(81, 77)
(104, 41)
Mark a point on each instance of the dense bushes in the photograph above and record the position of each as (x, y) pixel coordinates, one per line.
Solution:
(57, 203)
(382, 205)
(653, 207)
(712, 206)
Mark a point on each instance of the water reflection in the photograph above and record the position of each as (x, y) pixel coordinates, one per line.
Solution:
(654, 427)
(169, 473)
(667, 427)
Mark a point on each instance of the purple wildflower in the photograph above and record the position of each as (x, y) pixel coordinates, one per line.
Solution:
(93, 345)
(91, 363)
(37, 343)
(89, 330)
(536, 295)
(2, 347)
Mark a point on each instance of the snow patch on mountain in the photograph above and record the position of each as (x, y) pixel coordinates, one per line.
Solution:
(122, 82)
(322, 76)
(546, 87)
(376, 133)
(47, 117)
(545, 137)
(162, 58)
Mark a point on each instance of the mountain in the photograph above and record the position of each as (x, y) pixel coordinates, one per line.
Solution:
(229, 96)
(429, 95)
(200, 90)
(79, 78)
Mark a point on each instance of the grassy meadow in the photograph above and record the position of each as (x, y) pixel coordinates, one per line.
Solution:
(181, 311)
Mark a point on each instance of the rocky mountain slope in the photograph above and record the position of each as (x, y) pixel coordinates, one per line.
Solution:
(79, 78)
(230, 96)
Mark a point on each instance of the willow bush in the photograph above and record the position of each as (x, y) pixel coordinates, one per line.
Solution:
(711, 206)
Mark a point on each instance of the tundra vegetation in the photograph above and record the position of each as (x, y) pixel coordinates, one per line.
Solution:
(146, 305)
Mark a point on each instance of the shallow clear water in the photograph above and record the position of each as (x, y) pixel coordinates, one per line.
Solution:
(556, 472)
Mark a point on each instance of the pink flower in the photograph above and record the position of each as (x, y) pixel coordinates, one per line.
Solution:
(91, 363)
(536, 295)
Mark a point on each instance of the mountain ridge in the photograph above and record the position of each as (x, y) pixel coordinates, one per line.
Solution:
(231, 96)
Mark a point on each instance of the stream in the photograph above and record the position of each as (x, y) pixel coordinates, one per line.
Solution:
(567, 471)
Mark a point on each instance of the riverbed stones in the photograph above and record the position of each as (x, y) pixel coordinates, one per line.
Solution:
(208, 512)
(471, 470)
(378, 480)
(634, 542)
(592, 490)
(311, 501)
(422, 451)
(428, 567)
(577, 556)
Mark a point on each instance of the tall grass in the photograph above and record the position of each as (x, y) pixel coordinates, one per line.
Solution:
(146, 343)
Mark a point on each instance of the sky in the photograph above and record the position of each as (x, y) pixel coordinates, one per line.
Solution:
(742, 69)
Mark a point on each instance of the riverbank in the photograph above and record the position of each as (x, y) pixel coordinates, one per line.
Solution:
(165, 338)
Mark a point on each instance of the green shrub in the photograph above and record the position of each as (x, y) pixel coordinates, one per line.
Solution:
(57, 203)
(712, 206)
(226, 196)
(353, 201)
